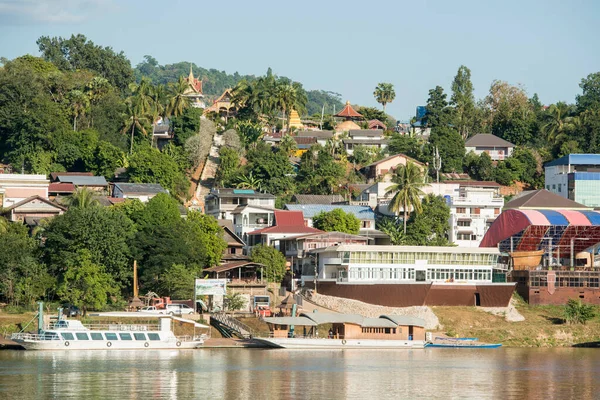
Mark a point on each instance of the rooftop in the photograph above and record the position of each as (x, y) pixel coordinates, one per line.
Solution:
(409, 249)
(365, 132)
(140, 188)
(287, 222)
(58, 187)
(395, 156)
(317, 198)
(543, 199)
(376, 124)
(348, 112)
(319, 318)
(316, 134)
(310, 210)
(487, 140)
(576, 159)
(242, 193)
(82, 180)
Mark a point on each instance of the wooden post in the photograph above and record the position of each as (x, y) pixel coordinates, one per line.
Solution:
(135, 280)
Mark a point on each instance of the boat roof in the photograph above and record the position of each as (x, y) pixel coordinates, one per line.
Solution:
(125, 314)
(320, 318)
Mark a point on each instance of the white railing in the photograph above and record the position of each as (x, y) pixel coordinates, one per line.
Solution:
(33, 336)
(467, 201)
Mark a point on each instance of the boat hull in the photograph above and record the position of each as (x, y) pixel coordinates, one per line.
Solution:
(104, 345)
(316, 343)
(463, 346)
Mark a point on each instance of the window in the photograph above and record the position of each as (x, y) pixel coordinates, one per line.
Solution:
(560, 187)
(553, 187)
(96, 336)
(496, 211)
(111, 336)
(473, 237)
(461, 210)
(153, 336)
(475, 211)
(82, 336)
(125, 336)
(464, 223)
(67, 336)
(139, 336)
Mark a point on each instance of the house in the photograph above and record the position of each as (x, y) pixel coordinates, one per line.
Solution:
(575, 177)
(15, 188)
(321, 136)
(141, 191)
(57, 189)
(377, 124)
(91, 182)
(32, 210)
(498, 149)
(385, 167)
(543, 200)
(235, 245)
(317, 198)
(223, 105)
(287, 224)
(371, 138)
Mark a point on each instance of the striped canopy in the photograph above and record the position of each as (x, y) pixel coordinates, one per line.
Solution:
(557, 231)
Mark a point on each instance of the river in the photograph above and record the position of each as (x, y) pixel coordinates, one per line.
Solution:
(284, 374)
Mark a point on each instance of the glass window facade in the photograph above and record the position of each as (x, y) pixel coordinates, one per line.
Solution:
(386, 257)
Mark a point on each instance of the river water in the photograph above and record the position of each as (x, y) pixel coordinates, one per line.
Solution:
(296, 374)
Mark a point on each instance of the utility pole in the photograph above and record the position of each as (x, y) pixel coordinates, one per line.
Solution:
(437, 165)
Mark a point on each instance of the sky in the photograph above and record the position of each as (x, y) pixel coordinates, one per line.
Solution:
(341, 46)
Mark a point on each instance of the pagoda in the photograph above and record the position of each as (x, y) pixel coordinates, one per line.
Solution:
(194, 91)
(223, 105)
(295, 120)
(349, 115)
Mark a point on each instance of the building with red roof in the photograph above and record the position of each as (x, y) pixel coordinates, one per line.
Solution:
(287, 224)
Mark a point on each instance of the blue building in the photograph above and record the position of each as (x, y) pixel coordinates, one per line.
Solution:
(576, 177)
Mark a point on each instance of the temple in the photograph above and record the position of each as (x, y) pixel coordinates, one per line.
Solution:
(194, 91)
(349, 115)
(295, 122)
(223, 106)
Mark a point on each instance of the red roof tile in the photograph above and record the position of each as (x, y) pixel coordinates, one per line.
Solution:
(348, 112)
(289, 218)
(288, 222)
(59, 187)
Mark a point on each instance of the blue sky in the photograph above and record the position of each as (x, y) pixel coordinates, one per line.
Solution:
(343, 46)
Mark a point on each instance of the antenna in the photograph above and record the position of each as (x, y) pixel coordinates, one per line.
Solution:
(437, 165)
(322, 114)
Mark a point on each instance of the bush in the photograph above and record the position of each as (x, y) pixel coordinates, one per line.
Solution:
(577, 312)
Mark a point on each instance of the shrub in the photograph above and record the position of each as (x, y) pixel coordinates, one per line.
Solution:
(577, 312)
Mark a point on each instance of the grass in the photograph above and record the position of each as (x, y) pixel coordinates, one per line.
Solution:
(544, 326)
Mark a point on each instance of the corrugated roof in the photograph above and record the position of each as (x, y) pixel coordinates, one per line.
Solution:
(406, 320)
(487, 140)
(54, 175)
(232, 265)
(289, 218)
(58, 187)
(140, 188)
(298, 321)
(230, 192)
(365, 132)
(400, 155)
(317, 198)
(310, 210)
(543, 199)
(315, 134)
(576, 159)
(375, 124)
(81, 180)
(287, 222)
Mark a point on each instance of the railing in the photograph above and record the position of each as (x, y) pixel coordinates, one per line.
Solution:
(110, 327)
(33, 336)
(233, 324)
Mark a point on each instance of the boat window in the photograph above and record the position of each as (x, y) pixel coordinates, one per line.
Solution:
(153, 336)
(50, 336)
(96, 336)
(67, 336)
(82, 336)
(111, 336)
(125, 336)
(139, 336)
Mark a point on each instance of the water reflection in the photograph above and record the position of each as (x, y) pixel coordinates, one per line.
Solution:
(262, 374)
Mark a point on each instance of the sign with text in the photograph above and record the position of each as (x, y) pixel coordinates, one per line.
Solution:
(211, 287)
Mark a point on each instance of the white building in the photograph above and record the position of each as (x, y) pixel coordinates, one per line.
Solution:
(247, 209)
(575, 177)
(15, 188)
(498, 149)
(371, 138)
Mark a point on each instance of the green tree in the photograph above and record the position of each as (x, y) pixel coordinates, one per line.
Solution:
(463, 101)
(105, 232)
(408, 181)
(136, 120)
(187, 125)
(384, 94)
(430, 227)
(228, 167)
(177, 282)
(272, 168)
(511, 112)
(249, 132)
(83, 198)
(78, 53)
(178, 102)
(392, 228)
(362, 155)
(577, 312)
(249, 182)
(85, 283)
(590, 98)
(451, 147)
(273, 261)
(319, 172)
(337, 220)
(206, 238)
(437, 112)
(234, 301)
(152, 166)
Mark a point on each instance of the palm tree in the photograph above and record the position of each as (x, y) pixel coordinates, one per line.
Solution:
(80, 102)
(384, 93)
(249, 182)
(135, 120)
(558, 121)
(408, 182)
(178, 101)
(157, 107)
(82, 198)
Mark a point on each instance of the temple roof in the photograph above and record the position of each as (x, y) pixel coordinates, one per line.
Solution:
(348, 112)
(194, 84)
(346, 126)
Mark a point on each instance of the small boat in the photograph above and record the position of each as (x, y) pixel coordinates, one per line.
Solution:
(458, 345)
(348, 331)
(466, 339)
(70, 334)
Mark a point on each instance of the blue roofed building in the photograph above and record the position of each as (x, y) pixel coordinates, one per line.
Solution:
(575, 177)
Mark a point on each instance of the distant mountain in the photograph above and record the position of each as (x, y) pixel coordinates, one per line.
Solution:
(215, 82)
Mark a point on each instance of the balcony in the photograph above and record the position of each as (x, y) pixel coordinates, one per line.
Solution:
(467, 202)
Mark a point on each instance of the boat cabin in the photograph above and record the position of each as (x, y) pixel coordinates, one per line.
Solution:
(348, 326)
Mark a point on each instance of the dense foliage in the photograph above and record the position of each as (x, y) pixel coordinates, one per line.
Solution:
(337, 221)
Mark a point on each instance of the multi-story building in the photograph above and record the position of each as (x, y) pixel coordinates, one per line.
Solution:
(371, 138)
(247, 209)
(472, 210)
(575, 177)
(15, 188)
(401, 276)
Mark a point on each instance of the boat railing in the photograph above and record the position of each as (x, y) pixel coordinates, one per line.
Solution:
(33, 336)
(189, 338)
(123, 327)
(271, 335)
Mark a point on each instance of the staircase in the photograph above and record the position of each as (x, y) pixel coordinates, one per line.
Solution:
(229, 327)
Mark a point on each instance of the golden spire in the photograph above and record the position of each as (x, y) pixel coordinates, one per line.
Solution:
(191, 77)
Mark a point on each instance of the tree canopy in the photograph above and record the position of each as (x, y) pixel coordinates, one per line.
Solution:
(337, 221)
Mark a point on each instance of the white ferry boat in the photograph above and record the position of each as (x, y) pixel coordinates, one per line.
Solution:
(66, 334)
(347, 331)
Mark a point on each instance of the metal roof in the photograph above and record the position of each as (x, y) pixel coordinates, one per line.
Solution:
(80, 180)
(141, 188)
(310, 210)
(576, 159)
(300, 321)
(241, 193)
(540, 199)
(409, 249)
(405, 320)
(487, 140)
(320, 318)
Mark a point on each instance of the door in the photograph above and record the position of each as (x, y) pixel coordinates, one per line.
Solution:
(410, 333)
(420, 276)
(477, 300)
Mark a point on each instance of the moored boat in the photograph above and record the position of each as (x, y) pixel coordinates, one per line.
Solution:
(71, 334)
(347, 331)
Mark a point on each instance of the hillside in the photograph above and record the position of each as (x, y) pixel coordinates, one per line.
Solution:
(214, 82)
